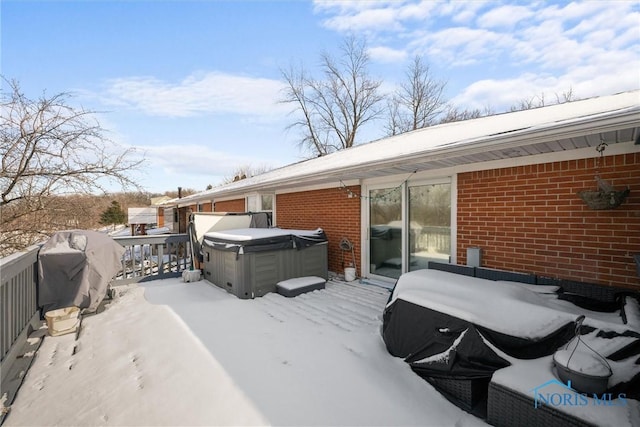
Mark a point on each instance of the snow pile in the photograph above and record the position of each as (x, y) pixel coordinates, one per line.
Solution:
(196, 355)
(134, 364)
(247, 234)
(586, 362)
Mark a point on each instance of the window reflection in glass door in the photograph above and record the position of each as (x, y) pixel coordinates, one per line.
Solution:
(385, 232)
(429, 224)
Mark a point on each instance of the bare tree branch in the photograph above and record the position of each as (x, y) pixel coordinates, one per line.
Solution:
(537, 101)
(418, 101)
(332, 110)
(50, 148)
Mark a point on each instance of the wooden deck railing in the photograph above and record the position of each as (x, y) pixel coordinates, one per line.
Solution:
(146, 258)
(153, 257)
(18, 298)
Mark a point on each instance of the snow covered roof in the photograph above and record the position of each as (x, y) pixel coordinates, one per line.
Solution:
(579, 124)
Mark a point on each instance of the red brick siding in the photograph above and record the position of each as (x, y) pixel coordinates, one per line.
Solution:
(529, 218)
(206, 207)
(230, 206)
(330, 209)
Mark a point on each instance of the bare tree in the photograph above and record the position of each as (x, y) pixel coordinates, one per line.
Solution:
(50, 149)
(246, 171)
(333, 109)
(537, 101)
(454, 114)
(417, 102)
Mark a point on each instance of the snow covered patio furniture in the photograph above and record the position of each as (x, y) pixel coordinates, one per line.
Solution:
(518, 395)
(249, 262)
(457, 331)
(438, 322)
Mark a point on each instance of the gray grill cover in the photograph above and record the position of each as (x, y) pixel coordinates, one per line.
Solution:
(75, 267)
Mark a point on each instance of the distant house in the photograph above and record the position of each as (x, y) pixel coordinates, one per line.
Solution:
(506, 184)
(139, 219)
(155, 201)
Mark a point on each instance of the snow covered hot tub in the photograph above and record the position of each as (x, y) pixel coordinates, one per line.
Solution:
(249, 262)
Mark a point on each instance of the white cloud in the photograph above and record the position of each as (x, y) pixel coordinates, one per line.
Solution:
(463, 45)
(195, 160)
(342, 6)
(500, 94)
(505, 16)
(513, 51)
(462, 12)
(387, 54)
(373, 16)
(584, 81)
(377, 19)
(207, 93)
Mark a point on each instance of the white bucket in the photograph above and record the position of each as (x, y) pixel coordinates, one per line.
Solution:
(62, 321)
(350, 274)
(191, 275)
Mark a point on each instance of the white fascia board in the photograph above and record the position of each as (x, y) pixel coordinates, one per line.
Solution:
(521, 138)
(557, 156)
(230, 197)
(328, 185)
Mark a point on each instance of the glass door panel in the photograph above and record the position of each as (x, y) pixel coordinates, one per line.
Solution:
(429, 228)
(385, 232)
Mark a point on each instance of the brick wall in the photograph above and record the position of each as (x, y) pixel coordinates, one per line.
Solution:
(230, 206)
(330, 209)
(206, 207)
(529, 218)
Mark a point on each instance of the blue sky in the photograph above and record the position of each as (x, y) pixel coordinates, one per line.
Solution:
(195, 84)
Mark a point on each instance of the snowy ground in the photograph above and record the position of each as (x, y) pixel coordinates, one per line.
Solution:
(174, 353)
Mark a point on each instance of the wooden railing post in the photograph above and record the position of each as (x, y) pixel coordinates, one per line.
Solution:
(18, 299)
(140, 264)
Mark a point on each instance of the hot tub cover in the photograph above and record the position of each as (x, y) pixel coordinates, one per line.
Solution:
(244, 240)
(75, 267)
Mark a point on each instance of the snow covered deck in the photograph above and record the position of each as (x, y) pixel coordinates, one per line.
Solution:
(173, 353)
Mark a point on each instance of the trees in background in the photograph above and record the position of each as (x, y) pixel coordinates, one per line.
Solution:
(246, 171)
(331, 110)
(417, 102)
(540, 100)
(113, 215)
(51, 152)
(455, 114)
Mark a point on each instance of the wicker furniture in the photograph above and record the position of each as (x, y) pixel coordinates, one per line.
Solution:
(469, 394)
(508, 408)
(505, 406)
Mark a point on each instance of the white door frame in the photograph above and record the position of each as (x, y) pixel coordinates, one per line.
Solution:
(390, 183)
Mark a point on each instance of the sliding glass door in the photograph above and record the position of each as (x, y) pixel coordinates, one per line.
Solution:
(409, 225)
(429, 224)
(385, 232)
